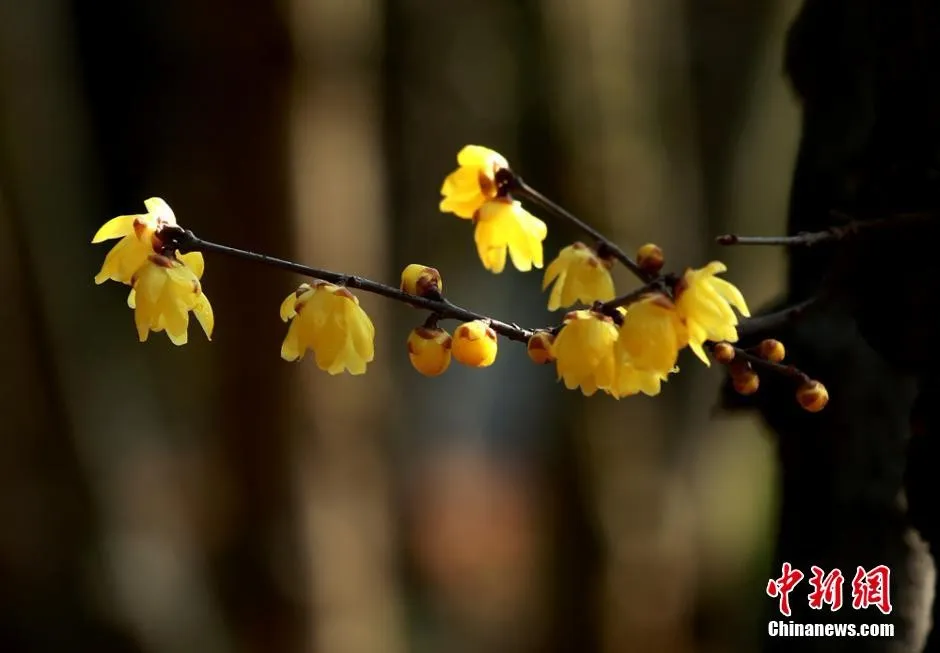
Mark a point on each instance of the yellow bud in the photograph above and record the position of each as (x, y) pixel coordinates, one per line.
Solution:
(772, 350)
(724, 352)
(422, 281)
(429, 350)
(539, 347)
(745, 382)
(812, 396)
(475, 344)
(650, 258)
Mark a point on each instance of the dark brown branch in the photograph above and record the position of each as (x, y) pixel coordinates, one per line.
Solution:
(510, 182)
(761, 324)
(187, 241)
(833, 234)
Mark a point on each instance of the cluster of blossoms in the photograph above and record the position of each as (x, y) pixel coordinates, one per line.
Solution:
(620, 345)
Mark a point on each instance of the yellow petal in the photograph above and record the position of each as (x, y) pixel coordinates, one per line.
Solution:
(557, 298)
(483, 157)
(203, 312)
(118, 227)
(132, 299)
(290, 349)
(194, 261)
(160, 210)
(732, 294)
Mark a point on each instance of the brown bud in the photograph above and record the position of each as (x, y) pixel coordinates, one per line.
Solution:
(422, 281)
(539, 347)
(812, 396)
(724, 352)
(650, 258)
(746, 382)
(772, 350)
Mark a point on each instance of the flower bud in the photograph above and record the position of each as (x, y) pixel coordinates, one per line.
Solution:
(745, 382)
(812, 396)
(539, 347)
(772, 350)
(429, 350)
(475, 344)
(650, 258)
(422, 281)
(724, 352)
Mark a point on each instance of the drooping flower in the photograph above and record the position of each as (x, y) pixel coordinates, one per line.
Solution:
(502, 225)
(584, 351)
(137, 233)
(472, 184)
(475, 344)
(328, 320)
(705, 304)
(163, 293)
(579, 275)
(429, 350)
(652, 334)
(629, 381)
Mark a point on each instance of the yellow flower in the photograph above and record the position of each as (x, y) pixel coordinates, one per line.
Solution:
(328, 320)
(628, 380)
(136, 233)
(579, 275)
(467, 188)
(429, 350)
(704, 302)
(164, 291)
(503, 224)
(475, 344)
(584, 351)
(652, 334)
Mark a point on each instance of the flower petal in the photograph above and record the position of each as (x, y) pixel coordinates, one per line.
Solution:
(118, 227)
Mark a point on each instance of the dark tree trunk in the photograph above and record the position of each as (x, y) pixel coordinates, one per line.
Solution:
(865, 72)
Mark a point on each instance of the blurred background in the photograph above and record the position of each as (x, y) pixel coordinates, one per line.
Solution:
(214, 498)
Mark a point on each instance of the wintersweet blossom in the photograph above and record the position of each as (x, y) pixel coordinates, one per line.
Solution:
(473, 183)
(579, 274)
(584, 351)
(163, 293)
(502, 225)
(652, 334)
(328, 320)
(705, 303)
(136, 233)
(629, 381)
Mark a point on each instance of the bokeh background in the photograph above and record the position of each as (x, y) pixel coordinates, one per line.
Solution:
(214, 498)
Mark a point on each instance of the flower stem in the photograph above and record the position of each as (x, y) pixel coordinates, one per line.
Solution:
(515, 184)
(187, 241)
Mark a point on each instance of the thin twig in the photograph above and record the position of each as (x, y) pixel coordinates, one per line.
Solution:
(187, 241)
(754, 326)
(833, 234)
(758, 362)
(513, 183)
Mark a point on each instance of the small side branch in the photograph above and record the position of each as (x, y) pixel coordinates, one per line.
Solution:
(833, 234)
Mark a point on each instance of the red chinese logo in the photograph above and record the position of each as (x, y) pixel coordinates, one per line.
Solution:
(780, 588)
(869, 588)
(872, 588)
(827, 589)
